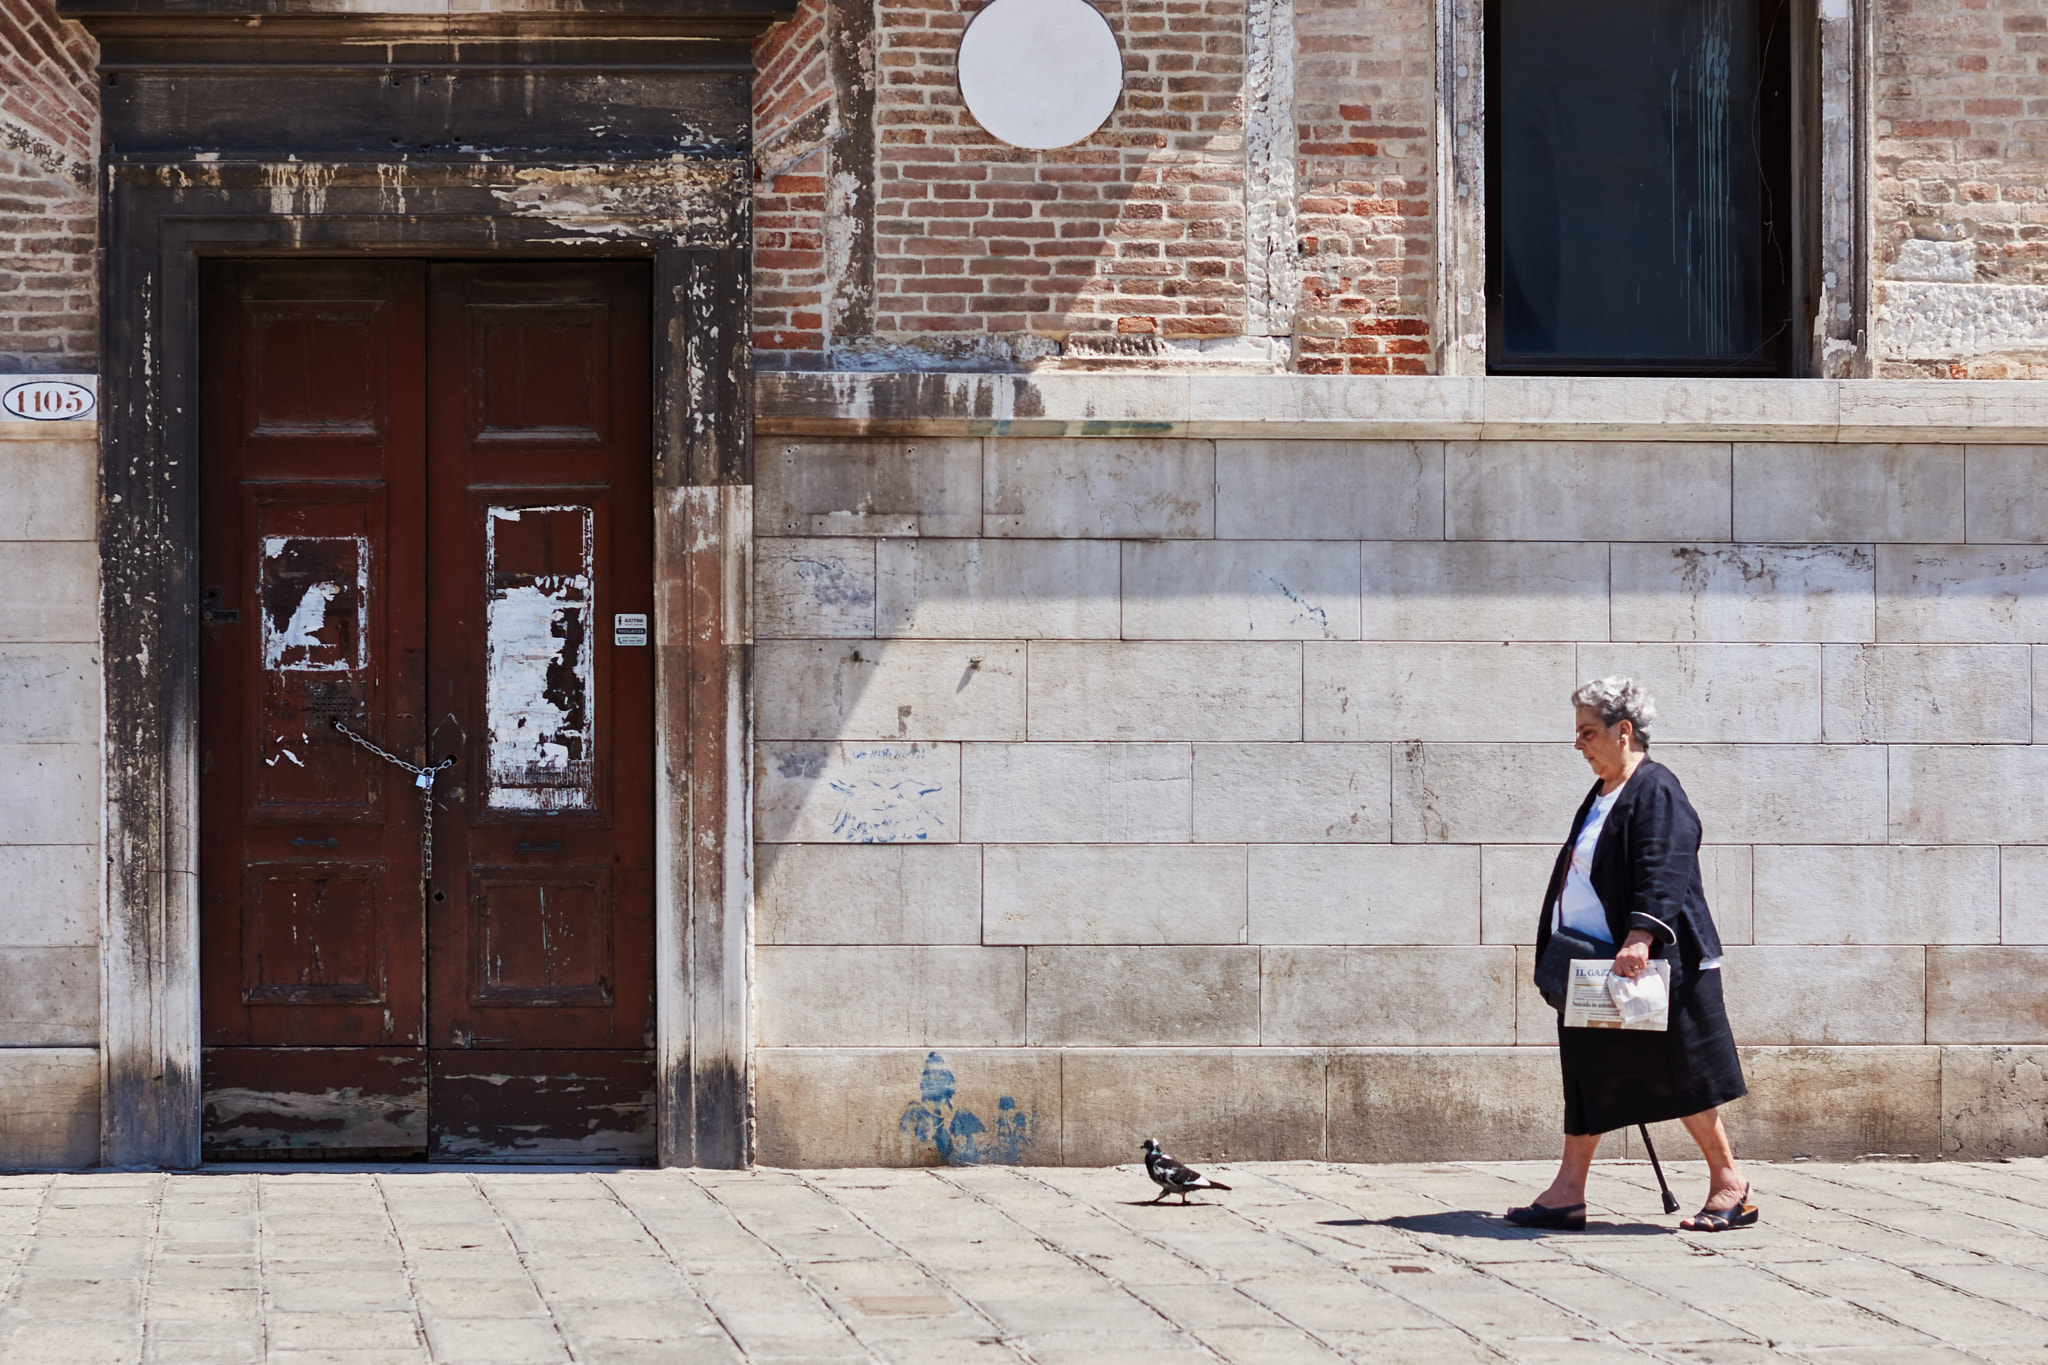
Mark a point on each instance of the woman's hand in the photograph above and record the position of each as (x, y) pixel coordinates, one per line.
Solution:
(1634, 958)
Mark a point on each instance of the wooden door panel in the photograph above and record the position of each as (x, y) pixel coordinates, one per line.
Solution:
(312, 531)
(542, 533)
(353, 1103)
(311, 660)
(595, 1106)
(314, 934)
(543, 371)
(427, 493)
(543, 936)
(315, 369)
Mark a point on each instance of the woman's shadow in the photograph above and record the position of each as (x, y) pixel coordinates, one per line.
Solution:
(1474, 1223)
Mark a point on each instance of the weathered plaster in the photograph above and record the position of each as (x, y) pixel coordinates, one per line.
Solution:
(1935, 262)
(850, 172)
(1405, 408)
(1841, 323)
(795, 141)
(1259, 351)
(1018, 352)
(982, 351)
(667, 201)
(1943, 320)
(52, 159)
(1272, 252)
(704, 870)
(1461, 188)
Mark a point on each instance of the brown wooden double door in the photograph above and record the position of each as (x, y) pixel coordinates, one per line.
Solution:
(426, 517)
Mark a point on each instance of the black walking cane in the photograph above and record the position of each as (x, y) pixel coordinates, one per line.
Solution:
(1670, 1204)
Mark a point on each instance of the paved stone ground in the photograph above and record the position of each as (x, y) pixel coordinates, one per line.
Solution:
(1301, 1263)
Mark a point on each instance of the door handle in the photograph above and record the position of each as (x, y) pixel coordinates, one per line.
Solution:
(214, 610)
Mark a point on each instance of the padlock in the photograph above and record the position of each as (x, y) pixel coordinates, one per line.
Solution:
(425, 781)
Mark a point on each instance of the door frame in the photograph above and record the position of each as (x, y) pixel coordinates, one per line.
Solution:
(158, 218)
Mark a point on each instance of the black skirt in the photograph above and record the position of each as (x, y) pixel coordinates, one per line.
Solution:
(1614, 1078)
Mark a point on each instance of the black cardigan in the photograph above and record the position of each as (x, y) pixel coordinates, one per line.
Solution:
(1646, 869)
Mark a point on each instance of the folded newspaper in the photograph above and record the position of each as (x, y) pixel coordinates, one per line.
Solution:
(1644, 1003)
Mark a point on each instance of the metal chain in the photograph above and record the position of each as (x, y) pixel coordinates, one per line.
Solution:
(423, 778)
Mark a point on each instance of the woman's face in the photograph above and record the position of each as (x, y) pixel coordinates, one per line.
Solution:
(1606, 747)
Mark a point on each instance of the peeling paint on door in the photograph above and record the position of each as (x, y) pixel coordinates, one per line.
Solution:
(315, 596)
(315, 1102)
(539, 576)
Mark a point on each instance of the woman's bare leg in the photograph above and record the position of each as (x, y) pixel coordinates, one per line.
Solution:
(1726, 1184)
(1570, 1186)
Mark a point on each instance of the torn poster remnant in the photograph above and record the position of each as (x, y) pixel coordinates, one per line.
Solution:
(315, 593)
(539, 581)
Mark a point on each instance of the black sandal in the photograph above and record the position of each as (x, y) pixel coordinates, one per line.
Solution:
(1721, 1220)
(1570, 1218)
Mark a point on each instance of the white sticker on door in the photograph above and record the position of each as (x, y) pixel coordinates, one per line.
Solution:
(539, 576)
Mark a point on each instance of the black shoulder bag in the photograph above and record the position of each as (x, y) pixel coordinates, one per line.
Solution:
(1554, 967)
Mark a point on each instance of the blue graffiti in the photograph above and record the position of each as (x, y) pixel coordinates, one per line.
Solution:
(1308, 610)
(958, 1135)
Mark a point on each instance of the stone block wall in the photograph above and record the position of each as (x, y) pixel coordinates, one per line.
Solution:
(1208, 788)
(50, 860)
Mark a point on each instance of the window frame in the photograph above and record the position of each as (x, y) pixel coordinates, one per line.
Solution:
(1787, 31)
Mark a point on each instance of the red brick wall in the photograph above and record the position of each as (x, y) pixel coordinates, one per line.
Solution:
(793, 105)
(49, 116)
(1364, 87)
(1138, 230)
(1961, 149)
(987, 252)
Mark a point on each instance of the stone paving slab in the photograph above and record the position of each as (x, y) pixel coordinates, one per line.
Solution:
(1302, 1263)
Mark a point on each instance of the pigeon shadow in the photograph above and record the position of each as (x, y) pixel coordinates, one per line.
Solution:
(1474, 1223)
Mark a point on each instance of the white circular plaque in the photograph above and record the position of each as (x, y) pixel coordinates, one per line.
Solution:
(1040, 73)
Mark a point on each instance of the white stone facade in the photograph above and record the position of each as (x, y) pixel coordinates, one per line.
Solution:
(50, 795)
(1201, 784)
(1208, 785)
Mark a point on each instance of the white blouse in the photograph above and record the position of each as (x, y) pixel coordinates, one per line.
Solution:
(1578, 907)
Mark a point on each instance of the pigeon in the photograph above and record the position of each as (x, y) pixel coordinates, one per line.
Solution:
(1173, 1178)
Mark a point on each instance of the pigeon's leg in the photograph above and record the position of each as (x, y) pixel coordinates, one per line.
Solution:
(1163, 1192)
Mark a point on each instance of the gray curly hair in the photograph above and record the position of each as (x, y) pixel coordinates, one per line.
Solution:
(1616, 700)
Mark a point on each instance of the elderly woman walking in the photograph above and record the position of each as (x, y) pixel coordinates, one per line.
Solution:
(1629, 874)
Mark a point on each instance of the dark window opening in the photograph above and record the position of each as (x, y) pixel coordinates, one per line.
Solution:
(1640, 214)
